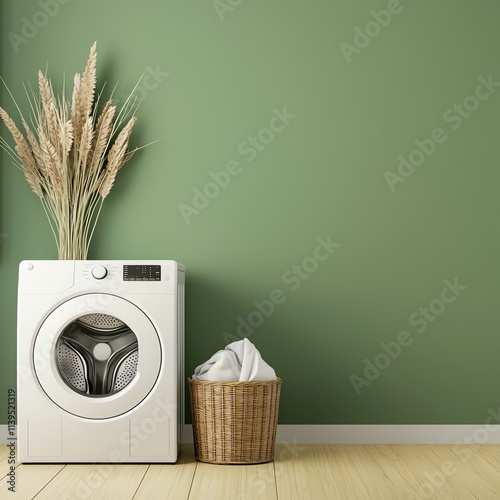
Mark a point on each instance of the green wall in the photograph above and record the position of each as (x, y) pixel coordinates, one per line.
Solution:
(325, 174)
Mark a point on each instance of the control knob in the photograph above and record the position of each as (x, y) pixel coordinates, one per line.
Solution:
(99, 272)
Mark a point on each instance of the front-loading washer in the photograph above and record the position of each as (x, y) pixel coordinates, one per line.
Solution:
(100, 353)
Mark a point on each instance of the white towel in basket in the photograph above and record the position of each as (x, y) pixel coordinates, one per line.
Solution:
(238, 362)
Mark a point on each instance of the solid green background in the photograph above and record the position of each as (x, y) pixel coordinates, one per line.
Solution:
(323, 175)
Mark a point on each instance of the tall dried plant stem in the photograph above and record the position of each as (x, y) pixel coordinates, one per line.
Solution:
(71, 155)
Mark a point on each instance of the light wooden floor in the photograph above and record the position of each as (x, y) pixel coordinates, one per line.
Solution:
(316, 472)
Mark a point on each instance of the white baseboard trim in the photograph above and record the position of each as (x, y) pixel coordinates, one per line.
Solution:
(3, 434)
(369, 434)
(380, 434)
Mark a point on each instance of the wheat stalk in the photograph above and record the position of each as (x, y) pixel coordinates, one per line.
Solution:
(76, 107)
(116, 157)
(24, 154)
(89, 83)
(102, 136)
(50, 123)
(69, 157)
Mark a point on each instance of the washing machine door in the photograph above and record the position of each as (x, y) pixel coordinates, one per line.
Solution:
(97, 356)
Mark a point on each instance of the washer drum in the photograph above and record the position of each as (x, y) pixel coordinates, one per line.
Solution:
(97, 355)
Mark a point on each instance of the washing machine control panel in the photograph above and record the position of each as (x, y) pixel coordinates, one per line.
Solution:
(134, 276)
(141, 273)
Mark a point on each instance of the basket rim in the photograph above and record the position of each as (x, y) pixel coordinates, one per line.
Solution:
(237, 383)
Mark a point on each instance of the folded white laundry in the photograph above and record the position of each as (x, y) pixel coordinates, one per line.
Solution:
(238, 362)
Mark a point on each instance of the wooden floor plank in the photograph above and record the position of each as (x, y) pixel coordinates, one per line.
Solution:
(368, 472)
(234, 482)
(4, 451)
(490, 452)
(429, 472)
(331, 471)
(31, 479)
(94, 482)
(386, 479)
(172, 481)
(298, 470)
(4, 457)
(401, 484)
(474, 467)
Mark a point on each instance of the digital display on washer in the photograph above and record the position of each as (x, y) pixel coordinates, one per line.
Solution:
(141, 273)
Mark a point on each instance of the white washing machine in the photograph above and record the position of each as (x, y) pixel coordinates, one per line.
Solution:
(100, 353)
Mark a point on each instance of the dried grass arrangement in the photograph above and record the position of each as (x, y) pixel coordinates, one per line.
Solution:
(71, 154)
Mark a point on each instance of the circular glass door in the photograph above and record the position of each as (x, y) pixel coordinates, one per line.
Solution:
(97, 356)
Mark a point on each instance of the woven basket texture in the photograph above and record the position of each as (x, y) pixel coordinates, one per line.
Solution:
(234, 422)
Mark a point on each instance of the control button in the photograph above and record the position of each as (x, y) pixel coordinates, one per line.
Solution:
(30, 267)
(99, 272)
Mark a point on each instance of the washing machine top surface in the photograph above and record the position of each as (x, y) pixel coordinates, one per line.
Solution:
(119, 277)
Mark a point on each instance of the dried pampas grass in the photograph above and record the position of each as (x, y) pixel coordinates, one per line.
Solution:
(70, 156)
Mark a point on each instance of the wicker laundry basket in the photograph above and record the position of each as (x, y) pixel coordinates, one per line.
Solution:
(234, 422)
